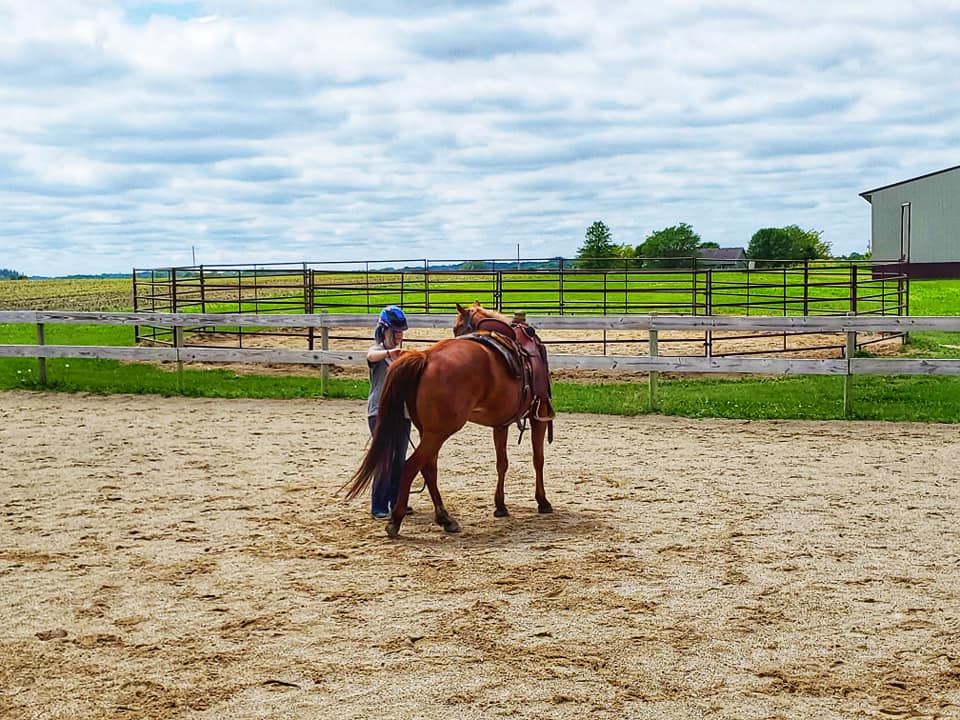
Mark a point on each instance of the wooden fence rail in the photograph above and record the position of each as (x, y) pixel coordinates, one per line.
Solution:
(804, 323)
(653, 363)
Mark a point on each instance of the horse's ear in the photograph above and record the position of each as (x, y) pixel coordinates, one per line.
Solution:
(461, 309)
(476, 304)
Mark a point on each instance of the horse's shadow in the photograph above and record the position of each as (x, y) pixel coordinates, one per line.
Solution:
(524, 526)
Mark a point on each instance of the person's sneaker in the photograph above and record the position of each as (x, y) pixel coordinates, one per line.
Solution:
(409, 510)
(380, 515)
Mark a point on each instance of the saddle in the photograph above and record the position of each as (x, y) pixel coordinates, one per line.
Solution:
(526, 357)
(529, 342)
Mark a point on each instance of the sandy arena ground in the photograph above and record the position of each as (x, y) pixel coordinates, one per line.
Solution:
(187, 558)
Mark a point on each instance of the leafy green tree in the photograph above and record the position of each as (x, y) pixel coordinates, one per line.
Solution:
(8, 274)
(790, 243)
(474, 265)
(769, 244)
(598, 250)
(670, 247)
(811, 243)
(627, 258)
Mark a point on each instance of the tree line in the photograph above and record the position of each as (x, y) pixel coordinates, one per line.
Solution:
(8, 274)
(674, 246)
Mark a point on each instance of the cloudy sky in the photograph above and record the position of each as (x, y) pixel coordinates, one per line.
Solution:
(142, 134)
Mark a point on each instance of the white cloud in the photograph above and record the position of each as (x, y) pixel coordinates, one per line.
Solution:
(133, 132)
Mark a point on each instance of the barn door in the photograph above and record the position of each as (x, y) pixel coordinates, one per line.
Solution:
(905, 232)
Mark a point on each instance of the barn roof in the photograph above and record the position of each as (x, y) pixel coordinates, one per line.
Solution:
(868, 194)
(736, 253)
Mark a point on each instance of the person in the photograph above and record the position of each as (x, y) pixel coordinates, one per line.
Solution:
(387, 348)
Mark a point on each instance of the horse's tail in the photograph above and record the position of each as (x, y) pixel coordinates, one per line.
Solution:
(399, 390)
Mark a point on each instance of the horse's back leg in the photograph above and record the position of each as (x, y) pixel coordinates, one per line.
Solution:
(424, 457)
(443, 518)
(537, 432)
(500, 443)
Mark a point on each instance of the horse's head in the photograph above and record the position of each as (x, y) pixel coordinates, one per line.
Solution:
(470, 319)
(465, 322)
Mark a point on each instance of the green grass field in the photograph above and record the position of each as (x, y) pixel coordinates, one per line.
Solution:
(922, 399)
(770, 292)
(778, 292)
(906, 398)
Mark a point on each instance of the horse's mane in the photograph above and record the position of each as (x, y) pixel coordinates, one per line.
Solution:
(486, 312)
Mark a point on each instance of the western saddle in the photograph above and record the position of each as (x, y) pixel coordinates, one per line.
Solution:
(526, 357)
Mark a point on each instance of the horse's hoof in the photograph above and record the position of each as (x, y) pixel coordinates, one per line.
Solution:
(452, 526)
(393, 530)
(501, 512)
(544, 508)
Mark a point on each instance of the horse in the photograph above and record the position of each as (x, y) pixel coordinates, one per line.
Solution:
(457, 380)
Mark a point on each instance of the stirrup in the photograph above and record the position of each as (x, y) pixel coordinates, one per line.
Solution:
(543, 418)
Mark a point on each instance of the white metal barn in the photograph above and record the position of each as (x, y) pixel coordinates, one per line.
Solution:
(917, 222)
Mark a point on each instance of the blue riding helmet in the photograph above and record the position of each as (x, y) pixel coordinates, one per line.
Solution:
(393, 318)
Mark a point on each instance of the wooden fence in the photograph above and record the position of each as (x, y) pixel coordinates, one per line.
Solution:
(653, 363)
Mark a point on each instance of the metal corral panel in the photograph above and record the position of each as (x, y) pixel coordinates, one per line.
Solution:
(934, 218)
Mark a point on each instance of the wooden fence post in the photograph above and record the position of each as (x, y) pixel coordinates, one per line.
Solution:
(41, 361)
(848, 378)
(178, 343)
(653, 375)
(324, 346)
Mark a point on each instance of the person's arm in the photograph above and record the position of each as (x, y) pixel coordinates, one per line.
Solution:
(377, 353)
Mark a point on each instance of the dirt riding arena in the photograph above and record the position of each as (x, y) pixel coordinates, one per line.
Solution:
(155, 567)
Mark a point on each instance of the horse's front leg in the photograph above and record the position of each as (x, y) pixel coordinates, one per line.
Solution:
(538, 431)
(500, 443)
(440, 512)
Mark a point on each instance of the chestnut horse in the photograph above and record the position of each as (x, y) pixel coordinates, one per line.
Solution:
(455, 381)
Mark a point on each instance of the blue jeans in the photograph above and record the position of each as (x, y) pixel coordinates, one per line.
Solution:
(384, 493)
